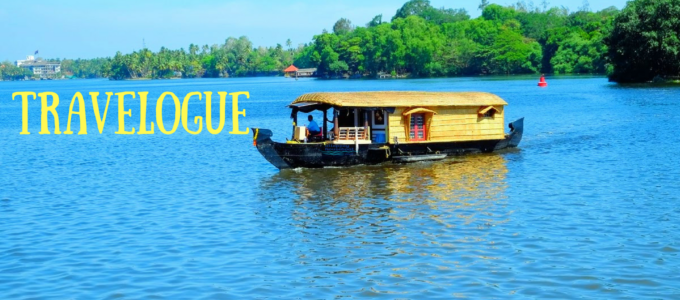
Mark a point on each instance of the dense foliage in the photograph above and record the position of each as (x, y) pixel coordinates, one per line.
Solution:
(645, 41)
(425, 41)
(419, 41)
(85, 68)
(79, 68)
(9, 71)
(236, 57)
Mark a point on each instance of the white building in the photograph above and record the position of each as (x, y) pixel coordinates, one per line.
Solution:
(28, 58)
(39, 67)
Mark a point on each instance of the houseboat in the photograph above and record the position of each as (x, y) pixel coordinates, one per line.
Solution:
(378, 127)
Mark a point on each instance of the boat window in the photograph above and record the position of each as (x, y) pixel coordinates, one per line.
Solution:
(379, 117)
(417, 127)
(487, 111)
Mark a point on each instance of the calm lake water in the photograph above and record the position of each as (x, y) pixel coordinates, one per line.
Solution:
(587, 207)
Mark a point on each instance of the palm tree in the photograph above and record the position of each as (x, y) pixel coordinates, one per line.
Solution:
(193, 49)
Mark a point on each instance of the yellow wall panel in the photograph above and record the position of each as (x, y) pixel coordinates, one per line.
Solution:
(452, 124)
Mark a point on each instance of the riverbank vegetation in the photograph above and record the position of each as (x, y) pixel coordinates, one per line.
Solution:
(9, 71)
(644, 44)
(423, 41)
(235, 57)
(79, 68)
(419, 41)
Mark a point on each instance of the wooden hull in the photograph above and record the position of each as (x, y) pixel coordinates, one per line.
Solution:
(319, 155)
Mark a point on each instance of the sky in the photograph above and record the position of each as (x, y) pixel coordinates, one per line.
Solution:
(88, 29)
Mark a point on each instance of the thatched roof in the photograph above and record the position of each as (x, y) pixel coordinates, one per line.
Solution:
(402, 99)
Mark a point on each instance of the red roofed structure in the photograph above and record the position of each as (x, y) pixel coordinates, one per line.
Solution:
(292, 68)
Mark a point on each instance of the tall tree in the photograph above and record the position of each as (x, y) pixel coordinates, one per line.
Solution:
(377, 20)
(483, 4)
(645, 41)
(342, 26)
(412, 7)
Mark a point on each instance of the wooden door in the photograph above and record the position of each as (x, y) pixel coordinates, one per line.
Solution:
(417, 131)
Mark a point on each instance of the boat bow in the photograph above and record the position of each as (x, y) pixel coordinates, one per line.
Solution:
(517, 128)
(262, 140)
(513, 139)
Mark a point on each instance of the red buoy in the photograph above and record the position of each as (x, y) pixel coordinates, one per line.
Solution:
(542, 82)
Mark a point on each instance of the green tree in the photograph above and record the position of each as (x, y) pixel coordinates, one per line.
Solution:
(342, 26)
(411, 8)
(423, 9)
(645, 41)
(8, 71)
(483, 4)
(377, 20)
(329, 61)
(424, 41)
(338, 67)
(497, 13)
(513, 53)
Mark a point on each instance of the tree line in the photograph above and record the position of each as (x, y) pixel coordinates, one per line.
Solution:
(424, 41)
(236, 57)
(9, 71)
(644, 44)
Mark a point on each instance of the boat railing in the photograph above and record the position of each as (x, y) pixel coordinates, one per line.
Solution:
(353, 133)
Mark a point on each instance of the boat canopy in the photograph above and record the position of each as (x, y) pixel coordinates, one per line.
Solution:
(397, 99)
(306, 107)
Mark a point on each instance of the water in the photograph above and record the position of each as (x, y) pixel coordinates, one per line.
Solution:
(588, 207)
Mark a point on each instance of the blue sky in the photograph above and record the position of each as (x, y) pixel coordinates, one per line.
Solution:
(87, 29)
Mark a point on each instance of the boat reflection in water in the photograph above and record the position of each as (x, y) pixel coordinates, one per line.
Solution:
(387, 221)
(382, 227)
(467, 181)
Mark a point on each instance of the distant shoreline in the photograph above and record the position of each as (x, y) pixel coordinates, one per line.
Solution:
(340, 79)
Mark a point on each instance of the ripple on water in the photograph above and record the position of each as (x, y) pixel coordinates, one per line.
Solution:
(587, 207)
